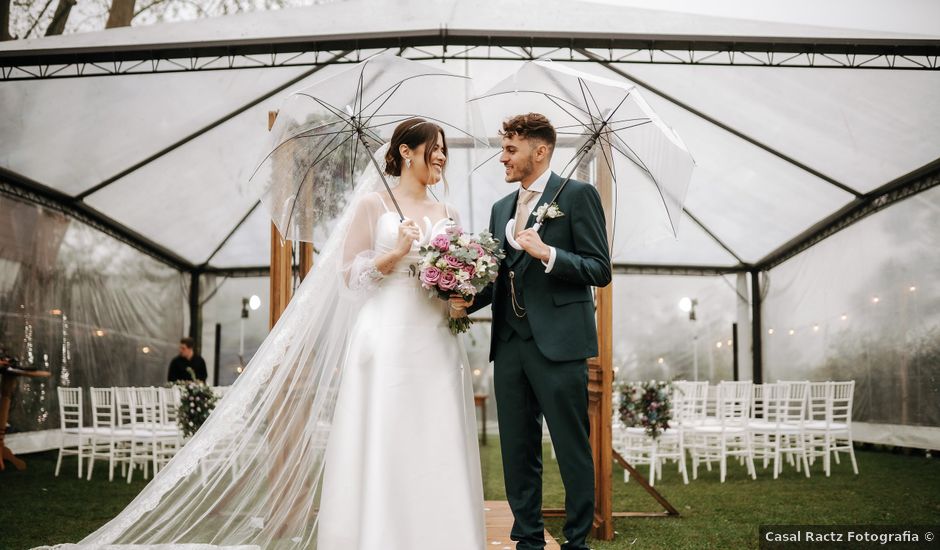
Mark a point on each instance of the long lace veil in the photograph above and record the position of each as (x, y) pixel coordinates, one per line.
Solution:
(250, 478)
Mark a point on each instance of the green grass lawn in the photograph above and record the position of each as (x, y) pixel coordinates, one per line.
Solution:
(892, 488)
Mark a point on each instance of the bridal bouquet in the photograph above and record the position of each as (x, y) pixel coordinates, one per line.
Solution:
(455, 262)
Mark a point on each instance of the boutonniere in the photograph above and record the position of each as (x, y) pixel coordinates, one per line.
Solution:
(547, 210)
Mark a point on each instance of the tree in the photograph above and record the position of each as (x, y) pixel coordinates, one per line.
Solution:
(121, 13)
(5, 20)
(61, 15)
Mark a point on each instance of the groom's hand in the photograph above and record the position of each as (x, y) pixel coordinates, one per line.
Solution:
(458, 303)
(532, 243)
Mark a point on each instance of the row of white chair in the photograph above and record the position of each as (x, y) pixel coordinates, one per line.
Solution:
(131, 427)
(796, 421)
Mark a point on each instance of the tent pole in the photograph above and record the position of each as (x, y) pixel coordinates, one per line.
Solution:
(756, 330)
(195, 311)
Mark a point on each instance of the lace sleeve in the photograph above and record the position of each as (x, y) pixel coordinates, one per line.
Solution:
(359, 270)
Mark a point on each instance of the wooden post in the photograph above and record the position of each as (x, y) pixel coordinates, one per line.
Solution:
(601, 378)
(306, 259)
(281, 272)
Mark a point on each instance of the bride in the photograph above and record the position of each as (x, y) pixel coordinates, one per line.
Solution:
(352, 428)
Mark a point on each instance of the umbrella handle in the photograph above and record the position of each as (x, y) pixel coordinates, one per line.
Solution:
(401, 217)
(511, 231)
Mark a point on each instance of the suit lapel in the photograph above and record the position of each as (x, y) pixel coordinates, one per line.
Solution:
(554, 181)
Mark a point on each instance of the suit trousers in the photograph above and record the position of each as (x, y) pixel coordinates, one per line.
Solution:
(528, 387)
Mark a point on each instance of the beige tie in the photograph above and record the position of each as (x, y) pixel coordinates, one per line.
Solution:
(522, 209)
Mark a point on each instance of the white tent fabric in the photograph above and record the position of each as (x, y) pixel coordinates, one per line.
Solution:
(862, 128)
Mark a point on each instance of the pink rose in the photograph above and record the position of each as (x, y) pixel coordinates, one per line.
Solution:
(454, 230)
(430, 276)
(441, 242)
(478, 248)
(448, 281)
(452, 262)
(469, 269)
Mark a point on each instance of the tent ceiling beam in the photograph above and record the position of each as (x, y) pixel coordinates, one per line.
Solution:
(619, 71)
(713, 236)
(910, 184)
(447, 44)
(678, 270)
(21, 187)
(205, 129)
(232, 232)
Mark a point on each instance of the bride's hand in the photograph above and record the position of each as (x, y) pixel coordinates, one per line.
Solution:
(408, 233)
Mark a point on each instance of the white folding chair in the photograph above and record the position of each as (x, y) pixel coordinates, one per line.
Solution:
(832, 434)
(74, 436)
(108, 441)
(781, 433)
(730, 437)
(152, 443)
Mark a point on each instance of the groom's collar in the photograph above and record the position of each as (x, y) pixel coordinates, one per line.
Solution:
(540, 182)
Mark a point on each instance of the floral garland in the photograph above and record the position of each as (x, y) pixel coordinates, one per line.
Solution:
(647, 405)
(196, 402)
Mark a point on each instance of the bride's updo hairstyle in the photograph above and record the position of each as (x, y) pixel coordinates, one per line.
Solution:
(413, 132)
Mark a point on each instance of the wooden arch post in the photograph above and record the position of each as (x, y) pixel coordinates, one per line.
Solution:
(601, 378)
(282, 271)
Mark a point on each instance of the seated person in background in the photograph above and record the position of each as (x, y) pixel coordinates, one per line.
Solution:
(187, 359)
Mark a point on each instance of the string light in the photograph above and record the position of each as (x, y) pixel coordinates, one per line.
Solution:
(730, 343)
(99, 332)
(239, 370)
(718, 345)
(770, 331)
(660, 361)
(815, 328)
(55, 312)
(913, 288)
(875, 300)
(476, 372)
(792, 332)
(616, 370)
(145, 349)
(845, 317)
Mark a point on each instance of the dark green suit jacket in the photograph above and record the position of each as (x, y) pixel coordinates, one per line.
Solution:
(560, 309)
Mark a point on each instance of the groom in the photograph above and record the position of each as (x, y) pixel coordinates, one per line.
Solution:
(543, 329)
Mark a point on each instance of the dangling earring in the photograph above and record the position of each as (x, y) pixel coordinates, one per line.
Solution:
(408, 163)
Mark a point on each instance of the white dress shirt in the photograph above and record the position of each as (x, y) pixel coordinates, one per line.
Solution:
(538, 186)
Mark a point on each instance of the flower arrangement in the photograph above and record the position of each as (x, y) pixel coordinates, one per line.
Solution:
(196, 402)
(455, 262)
(647, 405)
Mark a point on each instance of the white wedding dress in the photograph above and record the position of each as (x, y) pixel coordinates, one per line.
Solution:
(402, 461)
(351, 428)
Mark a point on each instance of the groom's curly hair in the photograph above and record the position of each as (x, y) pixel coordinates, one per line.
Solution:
(530, 126)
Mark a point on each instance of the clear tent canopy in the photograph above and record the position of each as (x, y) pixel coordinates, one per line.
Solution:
(149, 134)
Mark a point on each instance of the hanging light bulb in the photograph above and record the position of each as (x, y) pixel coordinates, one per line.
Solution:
(845, 317)
(660, 361)
(770, 331)
(815, 328)
(875, 299)
(913, 288)
(145, 349)
(792, 332)
(718, 345)
(476, 372)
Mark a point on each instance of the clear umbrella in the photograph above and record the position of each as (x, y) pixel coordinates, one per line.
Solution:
(605, 123)
(325, 135)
